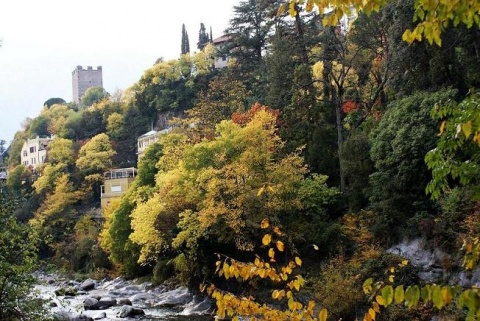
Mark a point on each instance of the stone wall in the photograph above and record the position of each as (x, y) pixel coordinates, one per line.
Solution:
(82, 79)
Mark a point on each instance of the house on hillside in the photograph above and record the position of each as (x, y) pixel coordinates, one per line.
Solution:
(220, 43)
(34, 151)
(149, 138)
(116, 183)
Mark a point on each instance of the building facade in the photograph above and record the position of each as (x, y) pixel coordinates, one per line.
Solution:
(116, 183)
(34, 151)
(220, 43)
(82, 79)
(149, 138)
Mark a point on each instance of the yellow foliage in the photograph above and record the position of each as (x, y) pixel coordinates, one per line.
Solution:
(434, 16)
(104, 237)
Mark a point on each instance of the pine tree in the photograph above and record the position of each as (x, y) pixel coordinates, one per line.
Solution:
(202, 37)
(185, 48)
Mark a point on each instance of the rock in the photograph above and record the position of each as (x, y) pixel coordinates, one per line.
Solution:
(90, 304)
(81, 317)
(65, 292)
(104, 303)
(88, 285)
(101, 315)
(129, 311)
(94, 304)
(53, 304)
(124, 301)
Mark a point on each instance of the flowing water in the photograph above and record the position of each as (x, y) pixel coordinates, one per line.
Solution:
(158, 303)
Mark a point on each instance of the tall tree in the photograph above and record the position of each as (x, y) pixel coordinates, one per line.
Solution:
(248, 31)
(185, 47)
(203, 38)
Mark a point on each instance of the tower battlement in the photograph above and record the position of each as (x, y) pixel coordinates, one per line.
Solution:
(84, 78)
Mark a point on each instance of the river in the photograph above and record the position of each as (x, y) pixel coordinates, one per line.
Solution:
(104, 300)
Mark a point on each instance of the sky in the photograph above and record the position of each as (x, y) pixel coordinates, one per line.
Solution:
(43, 41)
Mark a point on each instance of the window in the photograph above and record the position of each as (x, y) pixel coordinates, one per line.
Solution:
(25, 153)
(33, 149)
(116, 188)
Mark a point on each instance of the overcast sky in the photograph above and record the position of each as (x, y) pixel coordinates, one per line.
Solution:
(43, 41)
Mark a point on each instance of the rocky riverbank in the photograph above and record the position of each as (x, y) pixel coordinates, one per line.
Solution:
(119, 299)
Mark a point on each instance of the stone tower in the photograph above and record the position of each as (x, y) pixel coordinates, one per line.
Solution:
(82, 79)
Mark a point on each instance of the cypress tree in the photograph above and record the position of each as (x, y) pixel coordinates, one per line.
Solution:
(185, 47)
(202, 37)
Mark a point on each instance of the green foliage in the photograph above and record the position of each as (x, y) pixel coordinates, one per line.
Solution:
(80, 251)
(93, 95)
(403, 136)
(17, 262)
(457, 155)
(53, 101)
(203, 38)
(185, 48)
(357, 165)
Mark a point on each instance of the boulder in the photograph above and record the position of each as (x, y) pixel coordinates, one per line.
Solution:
(129, 311)
(87, 285)
(65, 292)
(92, 303)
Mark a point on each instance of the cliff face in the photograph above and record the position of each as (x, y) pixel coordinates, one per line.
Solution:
(436, 265)
(164, 117)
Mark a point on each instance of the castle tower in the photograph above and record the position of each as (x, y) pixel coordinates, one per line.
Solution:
(82, 79)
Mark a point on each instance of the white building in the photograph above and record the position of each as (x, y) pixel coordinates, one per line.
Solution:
(220, 43)
(149, 138)
(34, 151)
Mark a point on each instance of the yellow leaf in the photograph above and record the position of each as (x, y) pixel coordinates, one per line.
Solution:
(467, 129)
(442, 127)
(379, 300)
(376, 307)
(281, 9)
(405, 262)
(264, 224)
(391, 278)
(315, 247)
(260, 191)
(372, 313)
(322, 316)
(267, 238)
(367, 286)
(277, 231)
(271, 253)
(392, 269)
(291, 9)
(275, 294)
(298, 261)
(446, 295)
(280, 246)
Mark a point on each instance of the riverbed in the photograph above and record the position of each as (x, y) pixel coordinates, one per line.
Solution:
(109, 299)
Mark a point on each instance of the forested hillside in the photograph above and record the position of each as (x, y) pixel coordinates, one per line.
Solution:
(318, 148)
